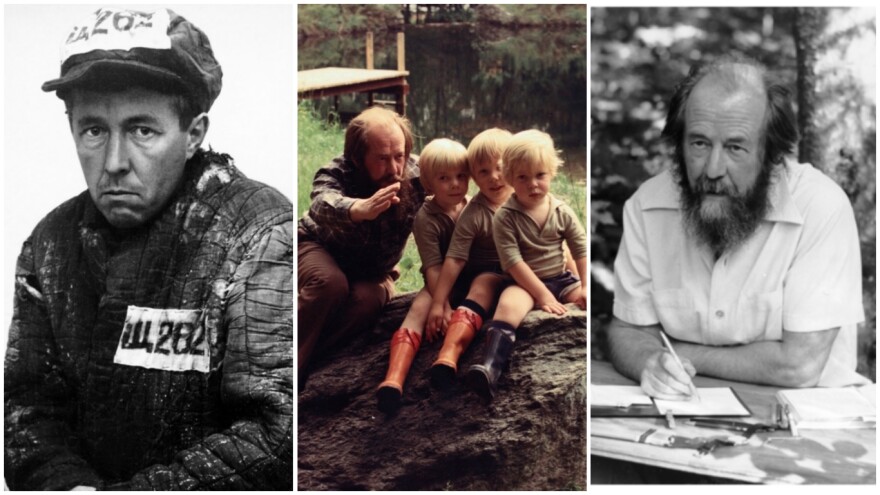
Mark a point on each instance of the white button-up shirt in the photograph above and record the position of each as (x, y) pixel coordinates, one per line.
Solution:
(799, 271)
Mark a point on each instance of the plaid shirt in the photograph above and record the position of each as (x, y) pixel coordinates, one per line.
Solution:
(363, 250)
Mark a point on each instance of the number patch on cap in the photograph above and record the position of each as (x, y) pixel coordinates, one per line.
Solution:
(110, 29)
(164, 339)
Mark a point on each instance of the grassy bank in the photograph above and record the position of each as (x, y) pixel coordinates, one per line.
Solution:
(318, 142)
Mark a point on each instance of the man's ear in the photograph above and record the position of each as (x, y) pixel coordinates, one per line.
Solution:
(198, 128)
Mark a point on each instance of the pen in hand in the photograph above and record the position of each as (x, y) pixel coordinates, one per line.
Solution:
(668, 345)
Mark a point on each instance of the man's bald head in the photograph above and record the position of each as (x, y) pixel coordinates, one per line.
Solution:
(358, 132)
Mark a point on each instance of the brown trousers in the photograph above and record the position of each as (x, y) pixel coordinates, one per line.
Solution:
(330, 307)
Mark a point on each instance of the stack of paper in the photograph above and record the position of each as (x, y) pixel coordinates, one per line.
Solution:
(848, 407)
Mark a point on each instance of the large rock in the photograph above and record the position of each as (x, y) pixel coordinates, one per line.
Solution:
(532, 436)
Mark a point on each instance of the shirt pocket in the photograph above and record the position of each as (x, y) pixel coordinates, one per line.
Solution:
(677, 313)
(759, 316)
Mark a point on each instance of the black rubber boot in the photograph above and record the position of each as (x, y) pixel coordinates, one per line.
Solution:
(483, 378)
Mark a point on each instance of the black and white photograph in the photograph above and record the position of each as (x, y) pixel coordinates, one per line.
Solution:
(148, 234)
(733, 185)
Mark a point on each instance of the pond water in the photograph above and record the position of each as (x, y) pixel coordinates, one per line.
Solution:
(465, 78)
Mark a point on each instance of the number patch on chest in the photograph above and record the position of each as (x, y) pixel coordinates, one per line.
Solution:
(164, 339)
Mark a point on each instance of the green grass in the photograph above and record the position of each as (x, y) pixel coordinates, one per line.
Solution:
(318, 142)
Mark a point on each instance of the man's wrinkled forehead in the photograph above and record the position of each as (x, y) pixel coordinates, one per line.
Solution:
(379, 134)
(733, 78)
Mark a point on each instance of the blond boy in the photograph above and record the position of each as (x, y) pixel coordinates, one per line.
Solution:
(444, 174)
(529, 232)
(472, 259)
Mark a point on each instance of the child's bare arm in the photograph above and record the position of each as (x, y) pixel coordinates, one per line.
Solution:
(544, 299)
(432, 275)
(580, 298)
(570, 263)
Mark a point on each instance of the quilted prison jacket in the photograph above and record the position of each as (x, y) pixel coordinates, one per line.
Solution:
(160, 357)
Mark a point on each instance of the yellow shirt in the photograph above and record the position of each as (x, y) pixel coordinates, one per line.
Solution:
(799, 271)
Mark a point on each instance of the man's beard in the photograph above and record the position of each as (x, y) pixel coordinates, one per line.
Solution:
(401, 210)
(734, 219)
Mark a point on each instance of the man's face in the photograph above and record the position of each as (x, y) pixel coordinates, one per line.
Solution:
(386, 155)
(722, 144)
(728, 183)
(131, 149)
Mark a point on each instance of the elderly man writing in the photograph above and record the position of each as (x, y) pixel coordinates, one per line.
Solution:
(362, 211)
(151, 342)
(748, 260)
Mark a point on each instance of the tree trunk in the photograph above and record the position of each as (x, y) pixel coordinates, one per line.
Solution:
(808, 24)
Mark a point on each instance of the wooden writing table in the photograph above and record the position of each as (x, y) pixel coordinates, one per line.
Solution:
(817, 456)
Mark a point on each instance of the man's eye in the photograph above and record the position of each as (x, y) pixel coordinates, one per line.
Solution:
(92, 132)
(143, 132)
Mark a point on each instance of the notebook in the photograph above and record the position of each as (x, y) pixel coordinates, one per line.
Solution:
(832, 408)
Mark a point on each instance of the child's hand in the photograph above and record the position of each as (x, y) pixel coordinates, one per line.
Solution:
(436, 322)
(553, 306)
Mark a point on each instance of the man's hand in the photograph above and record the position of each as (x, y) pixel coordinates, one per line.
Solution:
(375, 205)
(663, 378)
(438, 319)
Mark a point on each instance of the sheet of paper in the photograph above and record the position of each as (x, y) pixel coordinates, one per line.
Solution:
(713, 402)
(617, 395)
(829, 404)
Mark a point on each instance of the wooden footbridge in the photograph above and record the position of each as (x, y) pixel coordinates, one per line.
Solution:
(335, 81)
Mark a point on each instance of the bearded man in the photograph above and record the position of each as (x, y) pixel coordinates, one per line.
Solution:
(363, 206)
(748, 260)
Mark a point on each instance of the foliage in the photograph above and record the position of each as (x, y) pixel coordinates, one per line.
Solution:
(325, 20)
(637, 56)
(318, 142)
(544, 14)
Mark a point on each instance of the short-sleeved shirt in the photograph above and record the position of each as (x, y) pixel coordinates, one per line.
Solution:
(432, 232)
(472, 240)
(363, 250)
(799, 271)
(519, 238)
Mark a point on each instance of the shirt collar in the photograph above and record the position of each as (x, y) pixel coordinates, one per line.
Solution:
(513, 204)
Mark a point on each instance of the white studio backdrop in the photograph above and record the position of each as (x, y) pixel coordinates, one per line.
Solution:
(252, 120)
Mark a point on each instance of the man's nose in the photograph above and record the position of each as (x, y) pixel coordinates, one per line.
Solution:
(116, 157)
(716, 164)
